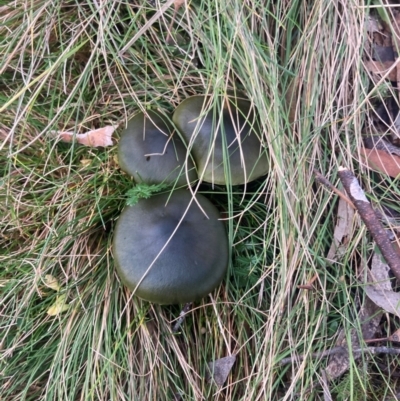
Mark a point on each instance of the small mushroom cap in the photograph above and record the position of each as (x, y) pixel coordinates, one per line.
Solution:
(150, 152)
(230, 154)
(168, 266)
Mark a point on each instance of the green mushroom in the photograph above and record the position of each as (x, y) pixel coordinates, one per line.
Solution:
(226, 148)
(171, 248)
(152, 153)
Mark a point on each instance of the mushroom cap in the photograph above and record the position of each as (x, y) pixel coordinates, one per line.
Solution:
(170, 267)
(226, 153)
(152, 153)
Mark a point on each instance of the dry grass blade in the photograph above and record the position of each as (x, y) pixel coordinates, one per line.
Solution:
(76, 67)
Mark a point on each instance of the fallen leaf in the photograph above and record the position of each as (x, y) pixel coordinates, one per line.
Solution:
(59, 306)
(94, 138)
(381, 68)
(383, 53)
(379, 289)
(220, 369)
(372, 24)
(86, 162)
(343, 230)
(381, 161)
(369, 316)
(395, 336)
(51, 282)
(379, 143)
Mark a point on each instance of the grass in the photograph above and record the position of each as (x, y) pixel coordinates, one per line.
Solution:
(63, 68)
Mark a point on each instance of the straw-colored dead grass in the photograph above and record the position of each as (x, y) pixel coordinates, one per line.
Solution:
(67, 66)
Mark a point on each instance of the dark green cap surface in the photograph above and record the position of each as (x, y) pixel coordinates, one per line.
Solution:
(152, 153)
(225, 142)
(165, 266)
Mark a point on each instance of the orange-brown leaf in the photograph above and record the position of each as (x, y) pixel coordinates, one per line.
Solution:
(381, 161)
(381, 68)
(94, 138)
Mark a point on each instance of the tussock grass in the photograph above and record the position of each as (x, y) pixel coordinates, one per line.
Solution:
(63, 68)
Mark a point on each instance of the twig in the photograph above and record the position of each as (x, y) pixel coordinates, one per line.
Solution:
(323, 180)
(181, 317)
(341, 350)
(309, 284)
(370, 219)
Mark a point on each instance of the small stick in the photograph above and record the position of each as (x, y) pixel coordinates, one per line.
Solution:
(323, 180)
(309, 284)
(181, 317)
(370, 219)
(341, 350)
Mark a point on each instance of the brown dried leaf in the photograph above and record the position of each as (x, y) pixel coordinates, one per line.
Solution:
(382, 53)
(343, 229)
(381, 68)
(379, 289)
(380, 143)
(94, 138)
(372, 24)
(381, 161)
(370, 317)
(395, 336)
(220, 369)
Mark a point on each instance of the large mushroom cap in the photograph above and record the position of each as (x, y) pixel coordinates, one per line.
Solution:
(150, 152)
(165, 266)
(226, 148)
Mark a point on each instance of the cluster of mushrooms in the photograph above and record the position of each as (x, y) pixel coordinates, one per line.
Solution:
(173, 247)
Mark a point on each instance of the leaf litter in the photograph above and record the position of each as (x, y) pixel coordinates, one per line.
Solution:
(343, 230)
(368, 316)
(379, 160)
(101, 137)
(380, 295)
(220, 368)
(60, 305)
(379, 287)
